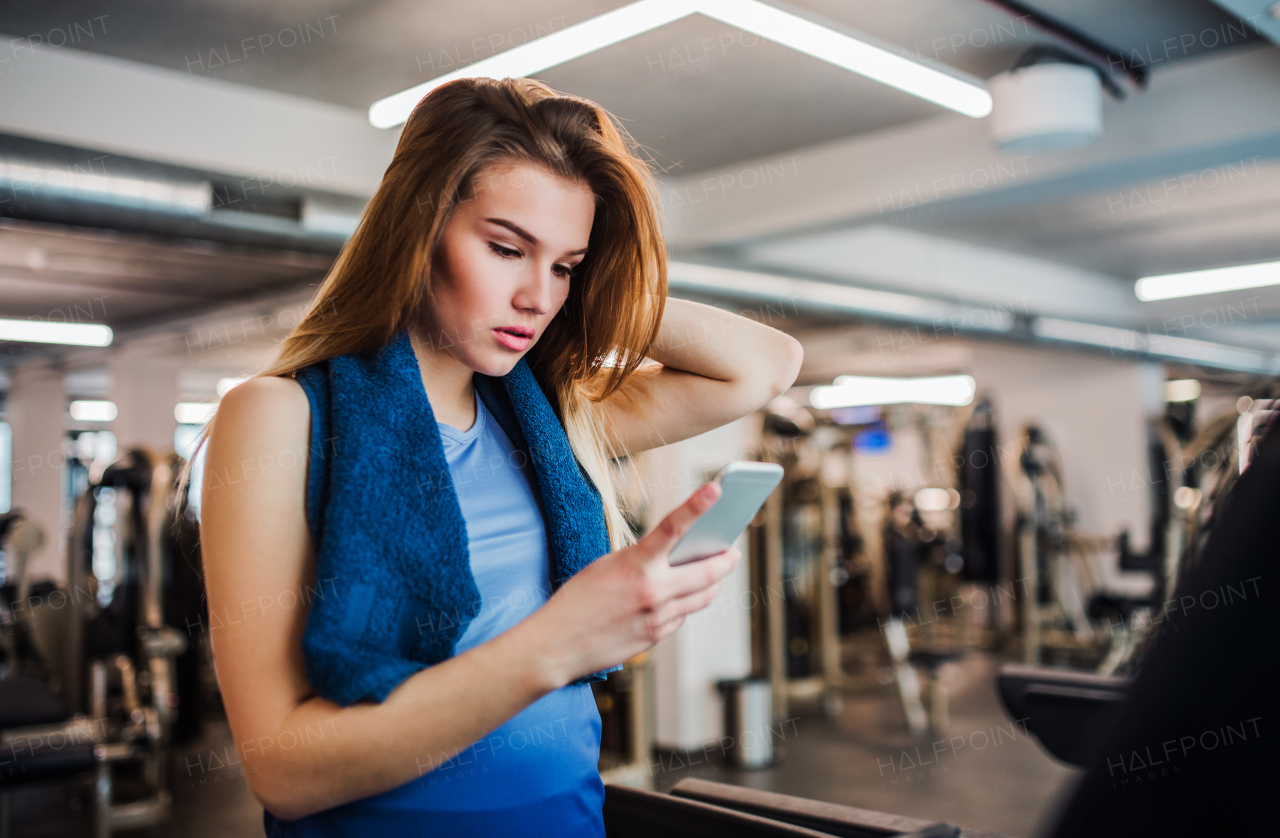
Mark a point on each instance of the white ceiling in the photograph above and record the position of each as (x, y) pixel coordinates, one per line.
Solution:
(1073, 227)
(741, 98)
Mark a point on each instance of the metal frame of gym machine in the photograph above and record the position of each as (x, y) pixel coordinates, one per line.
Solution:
(1221, 442)
(142, 734)
(768, 579)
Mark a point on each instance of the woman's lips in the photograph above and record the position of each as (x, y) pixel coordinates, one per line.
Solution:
(514, 342)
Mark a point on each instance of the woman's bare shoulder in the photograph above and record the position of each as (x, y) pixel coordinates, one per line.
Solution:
(276, 401)
(257, 460)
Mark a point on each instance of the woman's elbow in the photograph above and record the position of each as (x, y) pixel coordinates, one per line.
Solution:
(279, 796)
(771, 375)
(285, 808)
(789, 355)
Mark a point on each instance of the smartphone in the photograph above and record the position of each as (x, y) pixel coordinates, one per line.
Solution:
(744, 486)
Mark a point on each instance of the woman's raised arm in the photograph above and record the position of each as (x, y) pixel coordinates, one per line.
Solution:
(302, 753)
(716, 367)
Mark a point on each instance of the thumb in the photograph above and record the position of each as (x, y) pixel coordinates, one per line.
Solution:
(662, 538)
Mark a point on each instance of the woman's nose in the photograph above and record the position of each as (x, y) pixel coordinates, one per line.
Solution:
(534, 293)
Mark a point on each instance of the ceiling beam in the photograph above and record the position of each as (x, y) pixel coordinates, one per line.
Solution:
(127, 108)
(991, 279)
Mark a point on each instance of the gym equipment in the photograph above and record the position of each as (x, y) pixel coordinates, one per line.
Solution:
(916, 671)
(1042, 519)
(1198, 471)
(1204, 470)
(98, 691)
(19, 538)
(1071, 713)
(701, 809)
(1205, 685)
(1177, 750)
(978, 481)
(1061, 589)
(853, 577)
(796, 550)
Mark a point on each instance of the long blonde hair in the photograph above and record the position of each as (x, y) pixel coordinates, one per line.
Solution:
(382, 278)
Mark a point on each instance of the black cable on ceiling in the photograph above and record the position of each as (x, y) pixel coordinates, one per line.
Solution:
(1078, 39)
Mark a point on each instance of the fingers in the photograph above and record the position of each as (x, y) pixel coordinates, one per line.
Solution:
(658, 629)
(673, 615)
(694, 602)
(667, 534)
(689, 578)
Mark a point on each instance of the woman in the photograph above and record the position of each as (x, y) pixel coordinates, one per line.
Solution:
(514, 238)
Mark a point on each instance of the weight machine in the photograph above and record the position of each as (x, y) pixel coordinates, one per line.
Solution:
(100, 678)
(1121, 730)
(800, 543)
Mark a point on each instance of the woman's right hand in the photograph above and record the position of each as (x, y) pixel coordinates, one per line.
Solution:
(626, 601)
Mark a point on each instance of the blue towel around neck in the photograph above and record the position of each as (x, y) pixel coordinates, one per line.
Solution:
(394, 589)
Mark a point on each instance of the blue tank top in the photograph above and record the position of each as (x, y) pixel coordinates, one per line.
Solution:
(537, 774)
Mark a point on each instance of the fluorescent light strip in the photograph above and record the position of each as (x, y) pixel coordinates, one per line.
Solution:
(856, 390)
(1212, 281)
(330, 223)
(93, 411)
(42, 331)
(193, 413)
(969, 97)
(1180, 349)
(537, 55)
(190, 199)
(1182, 390)
(852, 54)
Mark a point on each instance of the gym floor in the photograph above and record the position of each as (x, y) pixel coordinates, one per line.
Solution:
(983, 774)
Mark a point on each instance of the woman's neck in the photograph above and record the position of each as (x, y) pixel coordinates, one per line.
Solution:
(447, 382)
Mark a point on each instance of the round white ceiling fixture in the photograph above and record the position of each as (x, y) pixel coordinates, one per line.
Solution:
(1046, 107)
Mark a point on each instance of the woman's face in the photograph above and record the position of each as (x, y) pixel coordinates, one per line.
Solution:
(505, 264)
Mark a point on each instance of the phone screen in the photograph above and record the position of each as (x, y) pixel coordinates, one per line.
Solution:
(744, 488)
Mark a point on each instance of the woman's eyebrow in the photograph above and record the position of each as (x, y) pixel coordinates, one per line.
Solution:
(519, 231)
(525, 234)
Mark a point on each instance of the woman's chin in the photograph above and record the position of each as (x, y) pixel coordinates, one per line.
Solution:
(496, 366)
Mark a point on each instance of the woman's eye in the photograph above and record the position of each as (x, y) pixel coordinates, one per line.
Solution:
(505, 252)
(565, 271)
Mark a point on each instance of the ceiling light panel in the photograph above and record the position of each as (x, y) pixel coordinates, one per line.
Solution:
(36, 178)
(856, 390)
(1212, 281)
(92, 410)
(948, 89)
(548, 51)
(193, 413)
(43, 331)
(853, 54)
